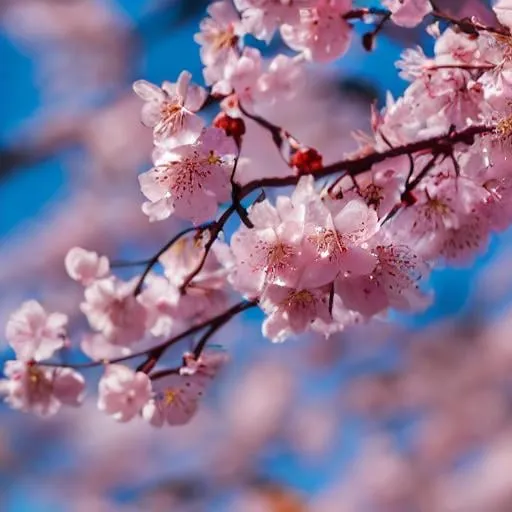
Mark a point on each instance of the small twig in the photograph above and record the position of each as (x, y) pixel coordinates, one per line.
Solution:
(124, 264)
(159, 350)
(467, 25)
(154, 260)
(215, 230)
(356, 166)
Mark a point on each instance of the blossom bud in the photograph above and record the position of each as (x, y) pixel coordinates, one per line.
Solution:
(233, 126)
(307, 160)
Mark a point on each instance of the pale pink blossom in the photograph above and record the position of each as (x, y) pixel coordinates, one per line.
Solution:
(112, 309)
(123, 392)
(394, 283)
(503, 10)
(281, 80)
(262, 17)
(408, 13)
(35, 334)
(413, 64)
(293, 310)
(190, 180)
(219, 37)
(41, 390)
(170, 110)
(335, 241)
(267, 253)
(206, 366)
(98, 348)
(85, 266)
(322, 34)
(241, 76)
(175, 402)
(177, 395)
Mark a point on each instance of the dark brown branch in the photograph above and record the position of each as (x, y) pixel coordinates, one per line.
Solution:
(158, 351)
(154, 260)
(215, 230)
(356, 166)
(467, 25)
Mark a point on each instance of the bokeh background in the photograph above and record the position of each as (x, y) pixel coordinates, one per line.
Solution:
(410, 413)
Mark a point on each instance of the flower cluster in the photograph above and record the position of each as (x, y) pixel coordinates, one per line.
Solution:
(352, 240)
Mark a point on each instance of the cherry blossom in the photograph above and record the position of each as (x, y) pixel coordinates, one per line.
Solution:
(292, 310)
(170, 110)
(175, 402)
(219, 37)
(123, 392)
(262, 17)
(241, 76)
(280, 81)
(111, 309)
(322, 34)
(345, 240)
(35, 334)
(190, 180)
(85, 266)
(268, 252)
(503, 10)
(41, 390)
(408, 13)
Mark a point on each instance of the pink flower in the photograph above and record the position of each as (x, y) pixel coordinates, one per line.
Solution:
(41, 390)
(177, 395)
(35, 334)
(85, 266)
(262, 17)
(322, 34)
(503, 10)
(293, 310)
(175, 402)
(408, 13)
(123, 392)
(281, 81)
(169, 110)
(334, 241)
(394, 283)
(241, 76)
(190, 180)
(413, 63)
(218, 38)
(206, 367)
(267, 253)
(112, 310)
(98, 348)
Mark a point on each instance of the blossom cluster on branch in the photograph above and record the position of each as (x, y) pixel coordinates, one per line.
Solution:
(352, 239)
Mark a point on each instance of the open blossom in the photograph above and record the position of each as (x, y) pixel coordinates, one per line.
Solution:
(293, 310)
(170, 110)
(281, 80)
(177, 395)
(408, 13)
(123, 392)
(85, 266)
(41, 390)
(206, 366)
(503, 10)
(322, 34)
(112, 310)
(268, 252)
(241, 76)
(35, 334)
(190, 180)
(394, 283)
(262, 17)
(219, 36)
(175, 401)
